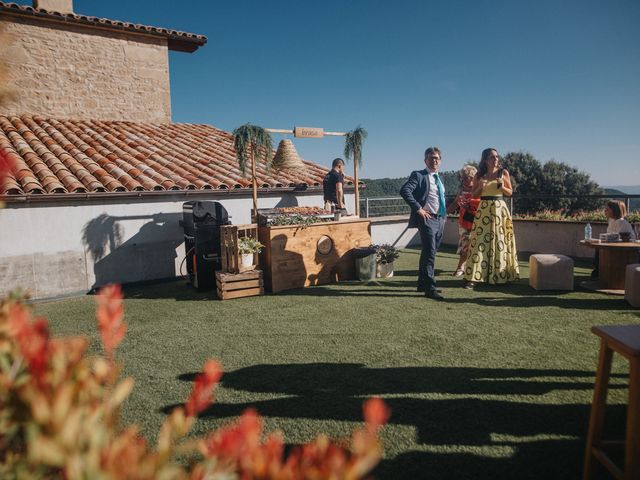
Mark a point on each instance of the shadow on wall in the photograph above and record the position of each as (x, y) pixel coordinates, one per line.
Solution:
(287, 268)
(287, 200)
(147, 255)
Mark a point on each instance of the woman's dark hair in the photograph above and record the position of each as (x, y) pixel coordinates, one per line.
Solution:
(482, 168)
(336, 162)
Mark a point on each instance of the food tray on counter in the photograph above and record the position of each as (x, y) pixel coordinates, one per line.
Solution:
(266, 216)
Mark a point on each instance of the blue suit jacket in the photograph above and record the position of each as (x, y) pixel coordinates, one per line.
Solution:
(415, 192)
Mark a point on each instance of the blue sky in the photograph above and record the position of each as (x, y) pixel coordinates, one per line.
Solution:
(558, 79)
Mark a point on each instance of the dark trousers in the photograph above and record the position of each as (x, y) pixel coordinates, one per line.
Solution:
(430, 236)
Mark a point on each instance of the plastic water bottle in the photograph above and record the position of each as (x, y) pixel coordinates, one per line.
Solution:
(587, 231)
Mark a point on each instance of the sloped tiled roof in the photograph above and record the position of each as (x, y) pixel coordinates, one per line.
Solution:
(180, 41)
(82, 156)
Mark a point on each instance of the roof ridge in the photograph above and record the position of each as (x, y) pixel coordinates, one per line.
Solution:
(178, 40)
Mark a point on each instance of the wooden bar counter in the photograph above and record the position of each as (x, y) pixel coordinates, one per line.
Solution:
(296, 256)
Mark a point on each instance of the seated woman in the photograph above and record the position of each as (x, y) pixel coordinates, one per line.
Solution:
(615, 212)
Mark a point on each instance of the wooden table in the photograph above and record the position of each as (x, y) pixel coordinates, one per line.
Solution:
(613, 259)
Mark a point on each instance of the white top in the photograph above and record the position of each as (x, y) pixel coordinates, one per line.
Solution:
(433, 200)
(620, 225)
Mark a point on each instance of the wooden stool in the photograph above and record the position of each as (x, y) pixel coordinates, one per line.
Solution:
(625, 340)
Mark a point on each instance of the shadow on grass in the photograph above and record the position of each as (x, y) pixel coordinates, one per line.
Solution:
(179, 289)
(511, 295)
(476, 423)
(517, 294)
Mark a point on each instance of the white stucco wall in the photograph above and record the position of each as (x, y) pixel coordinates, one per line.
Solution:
(56, 248)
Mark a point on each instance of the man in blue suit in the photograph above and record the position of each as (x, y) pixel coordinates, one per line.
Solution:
(424, 192)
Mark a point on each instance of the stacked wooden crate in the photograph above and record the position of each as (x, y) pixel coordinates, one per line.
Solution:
(236, 280)
(237, 285)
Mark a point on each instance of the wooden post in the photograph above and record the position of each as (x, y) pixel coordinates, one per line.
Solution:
(355, 176)
(254, 185)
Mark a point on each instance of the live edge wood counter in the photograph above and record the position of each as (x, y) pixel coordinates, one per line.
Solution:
(296, 257)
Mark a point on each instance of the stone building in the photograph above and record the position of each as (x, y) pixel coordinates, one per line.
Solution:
(102, 172)
(74, 66)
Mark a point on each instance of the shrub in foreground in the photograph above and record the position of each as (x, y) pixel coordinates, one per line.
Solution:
(60, 417)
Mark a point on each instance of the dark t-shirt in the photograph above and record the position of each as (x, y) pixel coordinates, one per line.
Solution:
(331, 179)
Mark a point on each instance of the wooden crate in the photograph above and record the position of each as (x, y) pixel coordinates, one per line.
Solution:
(237, 285)
(229, 238)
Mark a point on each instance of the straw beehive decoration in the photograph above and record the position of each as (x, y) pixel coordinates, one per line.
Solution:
(286, 157)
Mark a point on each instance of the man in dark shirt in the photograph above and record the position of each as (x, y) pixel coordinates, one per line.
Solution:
(333, 186)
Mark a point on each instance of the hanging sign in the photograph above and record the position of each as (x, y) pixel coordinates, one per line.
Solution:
(308, 132)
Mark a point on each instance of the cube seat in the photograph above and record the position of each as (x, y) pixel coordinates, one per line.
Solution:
(550, 271)
(632, 284)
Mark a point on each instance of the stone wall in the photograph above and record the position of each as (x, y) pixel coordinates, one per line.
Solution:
(70, 71)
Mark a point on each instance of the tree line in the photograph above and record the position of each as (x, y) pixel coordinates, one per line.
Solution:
(530, 177)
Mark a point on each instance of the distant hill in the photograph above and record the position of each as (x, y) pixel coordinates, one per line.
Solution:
(628, 189)
(634, 203)
(383, 187)
(390, 187)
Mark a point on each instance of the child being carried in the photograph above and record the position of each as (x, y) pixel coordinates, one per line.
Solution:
(468, 206)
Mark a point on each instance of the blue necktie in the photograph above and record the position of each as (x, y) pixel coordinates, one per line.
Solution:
(442, 210)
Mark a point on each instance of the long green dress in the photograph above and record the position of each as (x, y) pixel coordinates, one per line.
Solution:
(492, 246)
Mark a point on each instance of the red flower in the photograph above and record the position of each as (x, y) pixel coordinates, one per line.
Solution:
(110, 314)
(202, 393)
(376, 413)
(32, 338)
(238, 440)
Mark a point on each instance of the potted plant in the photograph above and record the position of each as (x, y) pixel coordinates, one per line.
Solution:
(248, 247)
(385, 256)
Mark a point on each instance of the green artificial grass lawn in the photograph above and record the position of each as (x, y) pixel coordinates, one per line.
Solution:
(490, 383)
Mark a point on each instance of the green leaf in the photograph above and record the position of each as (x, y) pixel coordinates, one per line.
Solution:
(353, 143)
(252, 140)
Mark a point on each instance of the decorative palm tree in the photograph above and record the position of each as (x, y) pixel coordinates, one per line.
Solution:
(353, 148)
(255, 144)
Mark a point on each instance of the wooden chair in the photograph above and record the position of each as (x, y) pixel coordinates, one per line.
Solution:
(624, 340)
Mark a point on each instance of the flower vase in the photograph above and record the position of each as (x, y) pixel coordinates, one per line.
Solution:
(246, 260)
(384, 270)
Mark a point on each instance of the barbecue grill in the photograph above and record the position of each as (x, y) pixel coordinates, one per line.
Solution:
(201, 221)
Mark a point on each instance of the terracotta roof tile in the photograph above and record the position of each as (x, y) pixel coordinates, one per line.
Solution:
(71, 156)
(176, 40)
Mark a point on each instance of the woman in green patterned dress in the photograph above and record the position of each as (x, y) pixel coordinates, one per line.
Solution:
(492, 247)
